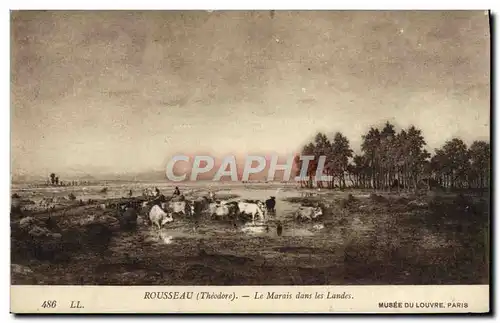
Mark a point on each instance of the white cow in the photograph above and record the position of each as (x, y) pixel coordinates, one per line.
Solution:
(308, 213)
(222, 211)
(219, 210)
(159, 217)
(252, 209)
(212, 208)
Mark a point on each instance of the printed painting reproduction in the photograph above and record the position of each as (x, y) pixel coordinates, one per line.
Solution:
(211, 161)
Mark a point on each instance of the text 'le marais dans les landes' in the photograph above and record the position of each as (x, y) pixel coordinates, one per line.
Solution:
(232, 296)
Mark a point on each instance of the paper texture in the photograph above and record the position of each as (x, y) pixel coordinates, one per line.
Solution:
(246, 299)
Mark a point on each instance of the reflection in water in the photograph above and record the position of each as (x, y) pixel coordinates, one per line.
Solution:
(167, 239)
(257, 229)
(294, 232)
(318, 226)
(158, 236)
(282, 207)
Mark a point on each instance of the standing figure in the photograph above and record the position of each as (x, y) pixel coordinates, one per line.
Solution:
(279, 229)
(177, 192)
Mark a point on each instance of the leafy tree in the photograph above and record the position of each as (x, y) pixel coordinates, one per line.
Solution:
(340, 154)
(479, 153)
(457, 162)
(416, 155)
(398, 159)
(307, 150)
(358, 168)
(370, 147)
(387, 152)
(321, 147)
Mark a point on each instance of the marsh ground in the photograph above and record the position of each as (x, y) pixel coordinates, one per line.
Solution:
(362, 239)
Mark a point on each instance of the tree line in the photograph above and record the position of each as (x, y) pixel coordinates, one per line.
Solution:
(397, 160)
(54, 180)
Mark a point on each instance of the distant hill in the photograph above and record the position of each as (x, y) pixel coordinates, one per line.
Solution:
(147, 176)
(150, 176)
(20, 179)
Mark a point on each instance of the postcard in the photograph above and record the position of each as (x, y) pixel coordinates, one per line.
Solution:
(266, 161)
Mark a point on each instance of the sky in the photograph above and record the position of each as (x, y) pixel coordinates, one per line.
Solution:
(101, 92)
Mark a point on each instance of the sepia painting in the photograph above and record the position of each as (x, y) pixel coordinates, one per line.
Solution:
(206, 147)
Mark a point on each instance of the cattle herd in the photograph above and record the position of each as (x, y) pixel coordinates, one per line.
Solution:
(159, 210)
(36, 234)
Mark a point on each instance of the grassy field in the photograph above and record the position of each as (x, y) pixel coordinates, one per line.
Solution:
(362, 238)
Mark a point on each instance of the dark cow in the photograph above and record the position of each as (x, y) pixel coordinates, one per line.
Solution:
(128, 219)
(178, 208)
(51, 224)
(199, 206)
(270, 205)
(233, 207)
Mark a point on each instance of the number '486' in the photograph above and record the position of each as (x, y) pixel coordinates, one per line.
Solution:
(49, 304)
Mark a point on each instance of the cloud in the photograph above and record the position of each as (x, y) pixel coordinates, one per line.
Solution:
(91, 87)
